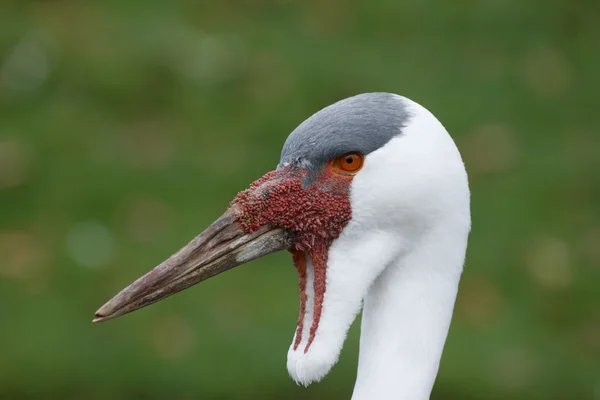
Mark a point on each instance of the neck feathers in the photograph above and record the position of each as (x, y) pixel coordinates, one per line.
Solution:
(406, 317)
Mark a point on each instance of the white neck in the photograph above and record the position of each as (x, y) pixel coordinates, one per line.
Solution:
(406, 317)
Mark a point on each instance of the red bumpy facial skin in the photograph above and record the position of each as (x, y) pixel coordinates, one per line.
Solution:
(315, 215)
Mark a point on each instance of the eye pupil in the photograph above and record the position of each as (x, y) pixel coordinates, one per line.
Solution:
(348, 164)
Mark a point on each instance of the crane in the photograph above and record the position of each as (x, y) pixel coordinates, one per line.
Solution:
(371, 198)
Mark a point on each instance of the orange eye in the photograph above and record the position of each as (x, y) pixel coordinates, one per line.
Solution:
(348, 164)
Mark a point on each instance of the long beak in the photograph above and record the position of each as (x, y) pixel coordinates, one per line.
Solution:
(222, 246)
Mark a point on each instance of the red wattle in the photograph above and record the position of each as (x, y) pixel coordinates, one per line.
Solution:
(315, 215)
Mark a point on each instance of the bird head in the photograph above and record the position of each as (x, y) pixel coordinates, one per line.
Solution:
(358, 184)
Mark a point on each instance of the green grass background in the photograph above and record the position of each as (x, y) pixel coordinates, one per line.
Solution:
(127, 126)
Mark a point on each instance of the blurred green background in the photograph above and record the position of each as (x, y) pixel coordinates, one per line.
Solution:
(126, 128)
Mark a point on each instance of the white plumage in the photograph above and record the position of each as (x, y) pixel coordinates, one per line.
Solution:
(402, 253)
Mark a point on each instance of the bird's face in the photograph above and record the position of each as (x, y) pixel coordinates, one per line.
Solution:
(348, 197)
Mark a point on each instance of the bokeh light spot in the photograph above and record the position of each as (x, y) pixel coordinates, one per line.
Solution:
(515, 368)
(173, 338)
(548, 262)
(15, 163)
(91, 244)
(490, 148)
(546, 71)
(22, 255)
(479, 301)
(28, 66)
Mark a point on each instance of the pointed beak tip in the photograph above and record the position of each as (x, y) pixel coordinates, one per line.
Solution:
(103, 314)
(101, 317)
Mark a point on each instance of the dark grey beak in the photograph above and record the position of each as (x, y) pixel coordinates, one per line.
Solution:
(222, 246)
